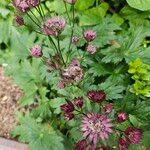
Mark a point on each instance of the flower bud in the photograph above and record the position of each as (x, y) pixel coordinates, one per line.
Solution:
(36, 51)
(75, 40)
(68, 116)
(91, 49)
(123, 144)
(121, 117)
(78, 102)
(19, 20)
(89, 35)
(108, 108)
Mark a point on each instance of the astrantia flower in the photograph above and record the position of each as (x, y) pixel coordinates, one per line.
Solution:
(68, 107)
(70, 1)
(33, 3)
(75, 40)
(78, 102)
(89, 35)
(19, 21)
(81, 145)
(21, 5)
(91, 49)
(134, 135)
(121, 117)
(73, 72)
(108, 108)
(96, 127)
(123, 144)
(36, 51)
(96, 96)
(54, 26)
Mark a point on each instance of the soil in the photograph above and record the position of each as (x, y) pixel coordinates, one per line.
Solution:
(9, 97)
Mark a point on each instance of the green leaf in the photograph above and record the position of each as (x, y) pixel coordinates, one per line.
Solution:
(143, 5)
(39, 137)
(84, 4)
(133, 120)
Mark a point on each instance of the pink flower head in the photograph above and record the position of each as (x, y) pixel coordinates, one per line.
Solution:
(75, 62)
(74, 73)
(123, 144)
(21, 5)
(61, 84)
(96, 127)
(108, 108)
(81, 145)
(70, 1)
(121, 117)
(75, 40)
(134, 135)
(91, 147)
(96, 96)
(68, 116)
(89, 35)
(54, 26)
(91, 49)
(68, 107)
(36, 51)
(19, 20)
(33, 3)
(78, 102)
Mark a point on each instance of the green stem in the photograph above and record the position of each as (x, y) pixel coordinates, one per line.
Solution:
(33, 20)
(60, 51)
(67, 13)
(69, 49)
(35, 16)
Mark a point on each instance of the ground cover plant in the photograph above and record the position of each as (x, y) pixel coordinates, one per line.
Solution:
(85, 72)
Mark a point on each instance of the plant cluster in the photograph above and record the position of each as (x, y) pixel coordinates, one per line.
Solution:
(76, 62)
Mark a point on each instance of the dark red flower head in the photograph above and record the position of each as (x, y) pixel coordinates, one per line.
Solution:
(81, 145)
(96, 96)
(68, 107)
(121, 117)
(134, 135)
(78, 102)
(123, 144)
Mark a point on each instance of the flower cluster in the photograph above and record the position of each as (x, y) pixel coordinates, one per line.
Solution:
(25, 5)
(54, 26)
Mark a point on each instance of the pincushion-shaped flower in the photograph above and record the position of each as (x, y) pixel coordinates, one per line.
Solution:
(70, 1)
(19, 20)
(75, 40)
(134, 135)
(75, 62)
(96, 127)
(121, 117)
(108, 108)
(81, 145)
(33, 3)
(54, 26)
(36, 51)
(73, 73)
(123, 144)
(89, 35)
(21, 5)
(68, 116)
(96, 96)
(91, 49)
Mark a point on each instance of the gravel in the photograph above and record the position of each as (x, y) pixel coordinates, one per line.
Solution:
(9, 96)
